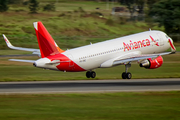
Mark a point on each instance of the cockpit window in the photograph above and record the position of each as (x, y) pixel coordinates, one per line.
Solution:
(167, 37)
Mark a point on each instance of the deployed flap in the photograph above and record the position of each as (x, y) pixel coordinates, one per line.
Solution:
(35, 51)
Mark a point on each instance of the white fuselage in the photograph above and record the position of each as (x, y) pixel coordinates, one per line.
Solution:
(94, 55)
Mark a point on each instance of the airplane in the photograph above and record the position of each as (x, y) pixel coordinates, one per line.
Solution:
(145, 48)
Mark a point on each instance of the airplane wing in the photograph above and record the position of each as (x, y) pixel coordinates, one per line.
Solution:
(130, 57)
(35, 51)
(138, 58)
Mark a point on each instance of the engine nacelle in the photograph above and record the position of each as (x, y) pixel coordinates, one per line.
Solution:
(152, 64)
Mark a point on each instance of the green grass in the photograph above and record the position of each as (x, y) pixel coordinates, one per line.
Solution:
(99, 106)
(17, 71)
(29, 73)
(13, 52)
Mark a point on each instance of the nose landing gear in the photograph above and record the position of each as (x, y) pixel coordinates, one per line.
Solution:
(127, 75)
(91, 74)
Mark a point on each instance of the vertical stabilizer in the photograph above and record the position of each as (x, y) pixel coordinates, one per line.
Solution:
(46, 43)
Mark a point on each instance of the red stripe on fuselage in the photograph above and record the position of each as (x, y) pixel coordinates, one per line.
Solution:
(172, 46)
(66, 64)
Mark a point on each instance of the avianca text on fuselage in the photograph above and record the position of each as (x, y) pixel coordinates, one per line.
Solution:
(138, 44)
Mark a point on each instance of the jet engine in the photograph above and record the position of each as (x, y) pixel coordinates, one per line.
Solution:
(152, 63)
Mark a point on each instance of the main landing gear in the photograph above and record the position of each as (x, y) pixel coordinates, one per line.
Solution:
(127, 75)
(91, 74)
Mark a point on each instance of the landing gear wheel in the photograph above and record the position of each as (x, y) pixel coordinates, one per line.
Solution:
(91, 74)
(128, 75)
(124, 75)
(88, 74)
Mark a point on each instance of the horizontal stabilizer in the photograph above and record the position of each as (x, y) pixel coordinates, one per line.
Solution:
(20, 60)
(56, 62)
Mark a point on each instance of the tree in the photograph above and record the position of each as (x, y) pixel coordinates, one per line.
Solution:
(130, 5)
(150, 3)
(167, 14)
(33, 6)
(134, 5)
(3, 5)
(140, 6)
(49, 7)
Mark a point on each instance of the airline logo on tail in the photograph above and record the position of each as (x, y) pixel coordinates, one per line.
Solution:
(46, 43)
(7, 41)
(156, 43)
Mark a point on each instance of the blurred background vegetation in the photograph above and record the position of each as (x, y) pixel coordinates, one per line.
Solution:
(74, 23)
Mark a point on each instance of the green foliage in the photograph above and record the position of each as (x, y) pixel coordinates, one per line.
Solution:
(28, 29)
(134, 5)
(26, 2)
(122, 20)
(167, 14)
(62, 15)
(150, 3)
(16, 1)
(3, 5)
(49, 7)
(33, 6)
(130, 5)
(80, 9)
(109, 22)
(99, 14)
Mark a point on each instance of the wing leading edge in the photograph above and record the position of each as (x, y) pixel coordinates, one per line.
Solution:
(130, 57)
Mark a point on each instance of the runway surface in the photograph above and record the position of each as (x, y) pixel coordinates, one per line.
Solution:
(90, 86)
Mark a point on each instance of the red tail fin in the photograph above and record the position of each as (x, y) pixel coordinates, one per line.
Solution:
(46, 43)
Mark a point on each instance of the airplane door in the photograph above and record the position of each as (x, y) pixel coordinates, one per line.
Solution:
(71, 63)
(161, 41)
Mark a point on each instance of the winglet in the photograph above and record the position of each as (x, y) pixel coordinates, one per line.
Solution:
(7, 42)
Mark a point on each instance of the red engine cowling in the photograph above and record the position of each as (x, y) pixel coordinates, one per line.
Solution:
(152, 64)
